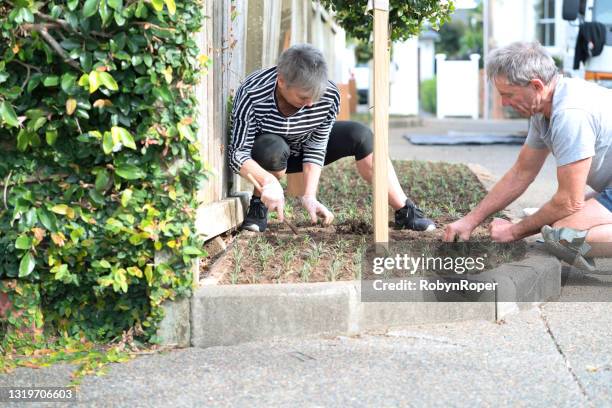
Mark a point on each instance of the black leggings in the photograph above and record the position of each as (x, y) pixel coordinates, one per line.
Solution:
(346, 139)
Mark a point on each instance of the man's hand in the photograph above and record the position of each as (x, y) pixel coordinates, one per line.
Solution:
(461, 229)
(502, 230)
(315, 208)
(273, 197)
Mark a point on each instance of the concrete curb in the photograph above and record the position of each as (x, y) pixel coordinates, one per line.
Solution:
(231, 314)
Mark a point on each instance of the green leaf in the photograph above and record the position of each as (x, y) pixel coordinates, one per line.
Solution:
(47, 219)
(185, 131)
(94, 81)
(119, 19)
(8, 115)
(108, 81)
(119, 133)
(84, 81)
(102, 180)
(163, 93)
(107, 143)
(51, 137)
(105, 264)
(73, 4)
(191, 250)
(171, 6)
(141, 10)
(26, 266)
(90, 8)
(61, 209)
(23, 242)
(126, 196)
(136, 239)
(158, 5)
(115, 4)
(149, 273)
(97, 197)
(68, 82)
(23, 140)
(130, 172)
(51, 80)
(105, 12)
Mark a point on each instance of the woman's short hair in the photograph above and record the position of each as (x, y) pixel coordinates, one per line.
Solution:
(303, 66)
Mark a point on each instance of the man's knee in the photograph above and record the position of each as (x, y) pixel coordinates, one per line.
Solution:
(271, 152)
(363, 140)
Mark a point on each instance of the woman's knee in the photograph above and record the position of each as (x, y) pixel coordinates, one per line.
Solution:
(363, 140)
(271, 152)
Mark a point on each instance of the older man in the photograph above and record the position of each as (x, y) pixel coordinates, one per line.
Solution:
(284, 121)
(572, 119)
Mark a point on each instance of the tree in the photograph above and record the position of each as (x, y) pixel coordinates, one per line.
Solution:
(406, 17)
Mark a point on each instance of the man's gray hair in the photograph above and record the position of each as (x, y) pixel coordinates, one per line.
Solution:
(303, 66)
(520, 62)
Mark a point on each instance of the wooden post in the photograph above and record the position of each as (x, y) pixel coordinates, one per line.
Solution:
(381, 121)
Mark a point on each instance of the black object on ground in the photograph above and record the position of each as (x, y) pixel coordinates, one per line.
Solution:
(465, 138)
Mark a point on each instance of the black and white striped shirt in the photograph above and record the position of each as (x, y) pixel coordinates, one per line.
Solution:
(255, 113)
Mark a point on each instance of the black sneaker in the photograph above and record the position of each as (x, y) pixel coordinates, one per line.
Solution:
(257, 216)
(410, 216)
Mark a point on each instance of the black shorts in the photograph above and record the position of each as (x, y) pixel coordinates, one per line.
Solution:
(346, 139)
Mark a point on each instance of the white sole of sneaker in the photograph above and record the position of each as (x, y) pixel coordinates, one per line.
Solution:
(252, 227)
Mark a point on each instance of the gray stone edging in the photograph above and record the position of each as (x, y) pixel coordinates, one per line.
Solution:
(219, 315)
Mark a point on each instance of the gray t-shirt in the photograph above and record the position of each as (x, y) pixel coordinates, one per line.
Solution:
(580, 127)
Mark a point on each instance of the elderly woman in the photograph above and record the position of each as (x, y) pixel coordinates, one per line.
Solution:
(284, 121)
(572, 119)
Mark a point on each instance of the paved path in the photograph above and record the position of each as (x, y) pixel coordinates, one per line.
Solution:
(557, 356)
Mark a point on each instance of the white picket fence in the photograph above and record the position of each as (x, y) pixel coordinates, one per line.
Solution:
(457, 86)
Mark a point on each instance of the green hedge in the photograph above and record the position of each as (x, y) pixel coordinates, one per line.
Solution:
(101, 164)
(428, 95)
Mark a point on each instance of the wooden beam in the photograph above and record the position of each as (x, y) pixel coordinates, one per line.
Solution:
(381, 121)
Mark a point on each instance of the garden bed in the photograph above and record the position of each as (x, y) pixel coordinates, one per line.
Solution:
(444, 191)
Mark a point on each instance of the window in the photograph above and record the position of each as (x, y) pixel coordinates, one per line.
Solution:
(545, 23)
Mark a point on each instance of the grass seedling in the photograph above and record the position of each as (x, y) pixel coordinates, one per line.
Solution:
(265, 252)
(305, 271)
(334, 269)
(238, 256)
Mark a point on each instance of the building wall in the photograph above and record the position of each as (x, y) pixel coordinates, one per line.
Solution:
(427, 58)
(404, 78)
(516, 20)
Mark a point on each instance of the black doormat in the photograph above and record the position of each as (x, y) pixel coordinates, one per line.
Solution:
(464, 138)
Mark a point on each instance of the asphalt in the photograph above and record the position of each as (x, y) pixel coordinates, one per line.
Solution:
(558, 354)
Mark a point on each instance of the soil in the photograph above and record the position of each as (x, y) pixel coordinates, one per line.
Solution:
(444, 191)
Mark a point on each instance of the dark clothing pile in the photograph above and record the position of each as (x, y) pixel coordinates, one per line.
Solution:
(590, 42)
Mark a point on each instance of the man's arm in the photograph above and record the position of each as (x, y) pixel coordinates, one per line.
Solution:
(509, 188)
(568, 199)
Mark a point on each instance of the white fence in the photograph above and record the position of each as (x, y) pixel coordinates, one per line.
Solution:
(457, 87)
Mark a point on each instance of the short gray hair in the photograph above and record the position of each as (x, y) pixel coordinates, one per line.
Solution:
(520, 62)
(304, 66)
